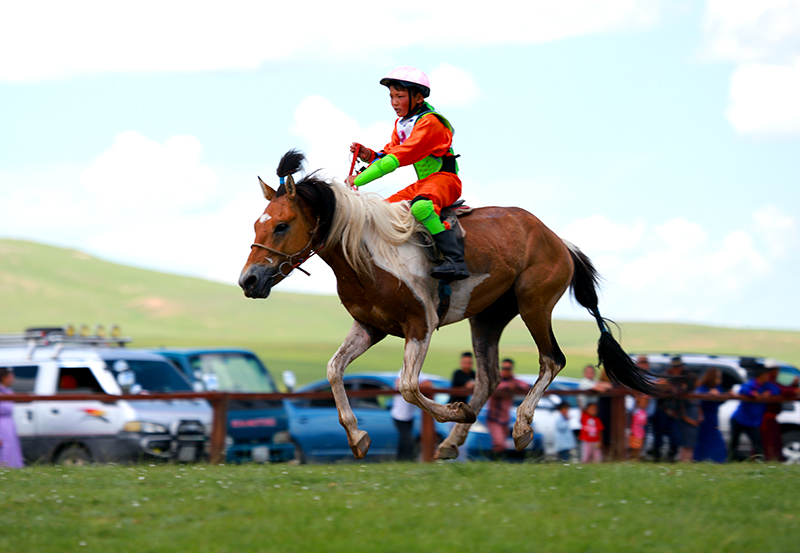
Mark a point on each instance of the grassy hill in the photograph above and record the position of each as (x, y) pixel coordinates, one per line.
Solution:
(43, 285)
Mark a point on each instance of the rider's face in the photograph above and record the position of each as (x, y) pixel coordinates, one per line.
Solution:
(400, 100)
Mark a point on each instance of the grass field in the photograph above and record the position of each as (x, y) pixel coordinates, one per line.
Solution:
(44, 285)
(443, 507)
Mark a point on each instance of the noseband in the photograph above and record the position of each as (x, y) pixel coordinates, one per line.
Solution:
(290, 257)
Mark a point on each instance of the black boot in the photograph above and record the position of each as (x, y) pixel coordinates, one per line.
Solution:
(452, 247)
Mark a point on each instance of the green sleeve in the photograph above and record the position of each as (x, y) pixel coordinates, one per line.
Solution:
(381, 167)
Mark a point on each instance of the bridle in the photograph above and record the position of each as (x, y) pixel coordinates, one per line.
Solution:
(290, 257)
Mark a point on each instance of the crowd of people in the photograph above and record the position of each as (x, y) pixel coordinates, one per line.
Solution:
(682, 428)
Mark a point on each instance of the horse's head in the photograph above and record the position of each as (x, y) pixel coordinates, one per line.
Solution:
(295, 224)
(286, 233)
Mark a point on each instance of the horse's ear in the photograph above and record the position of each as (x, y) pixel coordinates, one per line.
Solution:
(291, 189)
(269, 193)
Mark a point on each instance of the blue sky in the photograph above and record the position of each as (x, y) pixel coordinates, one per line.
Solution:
(663, 138)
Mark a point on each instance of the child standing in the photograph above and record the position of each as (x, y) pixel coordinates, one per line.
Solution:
(422, 138)
(638, 427)
(591, 432)
(564, 438)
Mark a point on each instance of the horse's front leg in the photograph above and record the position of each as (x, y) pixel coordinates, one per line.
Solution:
(358, 340)
(413, 358)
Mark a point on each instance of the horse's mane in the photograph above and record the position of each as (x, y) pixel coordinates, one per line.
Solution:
(366, 226)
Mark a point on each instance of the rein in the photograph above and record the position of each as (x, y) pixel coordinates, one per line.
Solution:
(290, 257)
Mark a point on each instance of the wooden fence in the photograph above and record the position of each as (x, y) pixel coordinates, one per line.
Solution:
(219, 402)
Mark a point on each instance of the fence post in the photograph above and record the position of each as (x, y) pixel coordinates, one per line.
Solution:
(219, 428)
(617, 449)
(427, 431)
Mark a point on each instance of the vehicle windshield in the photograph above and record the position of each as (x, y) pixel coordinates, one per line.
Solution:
(232, 372)
(156, 376)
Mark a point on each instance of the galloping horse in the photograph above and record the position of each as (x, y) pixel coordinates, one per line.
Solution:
(517, 265)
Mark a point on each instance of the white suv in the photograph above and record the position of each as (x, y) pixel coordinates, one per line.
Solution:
(734, 374)
(50, 361)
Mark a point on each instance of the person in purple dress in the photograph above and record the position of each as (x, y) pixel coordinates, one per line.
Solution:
(10, 450)
(710, 445)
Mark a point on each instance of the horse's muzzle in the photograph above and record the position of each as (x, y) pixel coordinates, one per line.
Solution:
(257, 281)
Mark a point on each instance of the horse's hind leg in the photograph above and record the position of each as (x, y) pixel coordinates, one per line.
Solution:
(358, 340)
(487, 328)
(536, 301)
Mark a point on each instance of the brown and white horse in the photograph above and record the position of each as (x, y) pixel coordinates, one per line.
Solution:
(517, 265)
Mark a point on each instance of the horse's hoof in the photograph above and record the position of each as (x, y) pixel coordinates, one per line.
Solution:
(446, 452)
(362, 445)
(521, 442)
(463, 413)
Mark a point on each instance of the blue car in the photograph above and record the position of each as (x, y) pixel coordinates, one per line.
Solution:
(320, 438)
(479, 442)
(258, 430)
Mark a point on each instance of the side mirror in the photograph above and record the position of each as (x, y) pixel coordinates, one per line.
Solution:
(289, 380)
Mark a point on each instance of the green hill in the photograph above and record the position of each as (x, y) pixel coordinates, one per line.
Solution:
(43, 285)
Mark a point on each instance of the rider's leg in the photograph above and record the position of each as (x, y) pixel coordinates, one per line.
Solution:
(448, 241)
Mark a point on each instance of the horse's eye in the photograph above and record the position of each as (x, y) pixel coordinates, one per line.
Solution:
(281, 227)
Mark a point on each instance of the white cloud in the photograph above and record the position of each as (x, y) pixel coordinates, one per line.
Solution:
(141, 174)
(452, 86)
(764, 99)
(778, 230)
(747, 30)
(55, 39)
(599, 234)
(764, 39)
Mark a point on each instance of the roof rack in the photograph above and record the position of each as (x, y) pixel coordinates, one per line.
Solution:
(61, 336)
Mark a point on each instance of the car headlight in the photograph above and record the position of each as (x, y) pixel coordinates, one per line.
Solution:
(281, 437)
(145, 427)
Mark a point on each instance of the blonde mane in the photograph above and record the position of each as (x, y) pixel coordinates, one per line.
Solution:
(368, 227)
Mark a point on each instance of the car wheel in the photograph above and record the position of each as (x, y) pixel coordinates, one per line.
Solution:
(73, 455)
(299, 454)
(791, 448)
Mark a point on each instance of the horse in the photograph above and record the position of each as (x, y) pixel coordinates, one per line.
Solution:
(518, 266)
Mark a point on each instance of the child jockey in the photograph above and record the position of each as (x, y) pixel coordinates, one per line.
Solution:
(421, 138)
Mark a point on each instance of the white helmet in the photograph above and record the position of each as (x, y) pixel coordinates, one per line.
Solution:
(408, 76)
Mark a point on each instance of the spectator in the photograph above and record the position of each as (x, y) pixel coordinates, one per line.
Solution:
(463, 376)
(564, 438)
(604, 384)
(638, 427)
(403, 416)
(667, 415)
(691, 417)
(500, 405)
(748, 416)
(770, 429)
(591, 431)
(588, 382)
(710, 445)
(10, 450)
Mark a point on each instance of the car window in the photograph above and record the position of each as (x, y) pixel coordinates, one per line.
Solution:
(77, 380)
(378, 402)
(156, 376)
(24, 379)
(786, 375)
(233, 372)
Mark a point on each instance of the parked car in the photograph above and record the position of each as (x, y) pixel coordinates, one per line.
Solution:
(258, 430)
(52, 361)
(319, 437)
(479, 442)
(734, 374)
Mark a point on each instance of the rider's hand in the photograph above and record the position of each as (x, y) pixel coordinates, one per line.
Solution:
(349, 181)
(363, 153)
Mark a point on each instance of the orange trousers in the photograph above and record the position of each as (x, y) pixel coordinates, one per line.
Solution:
(443, 189)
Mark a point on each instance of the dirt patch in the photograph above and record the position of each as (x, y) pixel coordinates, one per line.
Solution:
(155, 306)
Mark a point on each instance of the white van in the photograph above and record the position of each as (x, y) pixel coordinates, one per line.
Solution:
(52, 361)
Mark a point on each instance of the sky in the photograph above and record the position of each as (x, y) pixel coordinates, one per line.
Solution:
(661, 137)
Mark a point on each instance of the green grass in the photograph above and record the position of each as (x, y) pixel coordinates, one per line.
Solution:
(475, 507)
(44, 285)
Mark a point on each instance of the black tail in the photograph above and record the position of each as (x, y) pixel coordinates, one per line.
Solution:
(619, 366)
